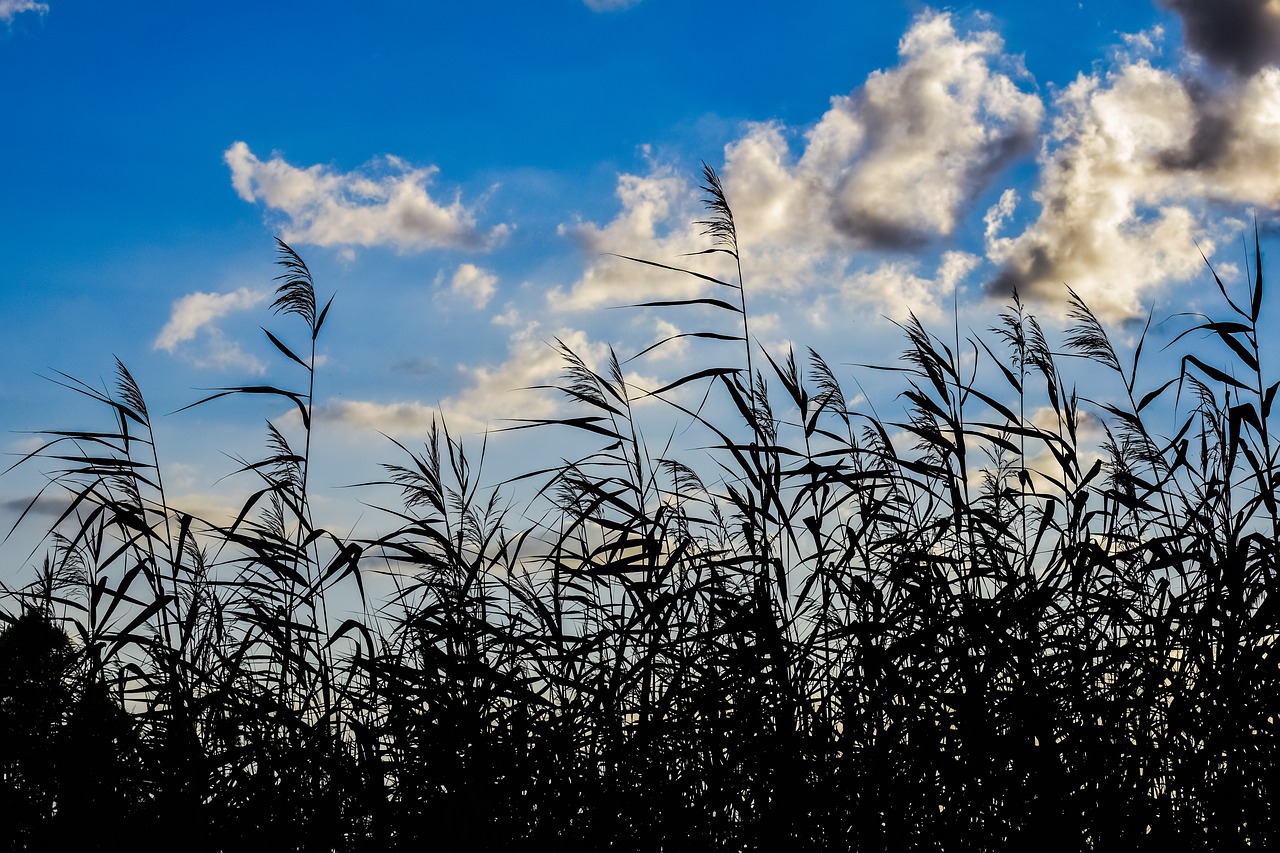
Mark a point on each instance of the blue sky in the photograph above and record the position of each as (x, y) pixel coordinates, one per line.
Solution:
(455, 173)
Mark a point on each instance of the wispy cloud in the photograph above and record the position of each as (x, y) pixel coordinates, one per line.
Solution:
(386, 204)
(488, 397)
(10, 9)
(48, 505)
(196, 311)
(609, 5)
(196, 315)
(492, 393)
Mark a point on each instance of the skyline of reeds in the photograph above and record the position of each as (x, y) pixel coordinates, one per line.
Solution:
(964, 625)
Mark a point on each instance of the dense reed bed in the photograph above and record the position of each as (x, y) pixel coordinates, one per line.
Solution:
(967, 628)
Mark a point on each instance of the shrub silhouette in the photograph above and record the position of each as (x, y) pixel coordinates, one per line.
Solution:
(64, 744)
(35, 659)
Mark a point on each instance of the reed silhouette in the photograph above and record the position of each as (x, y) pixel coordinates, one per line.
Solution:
(815, 634)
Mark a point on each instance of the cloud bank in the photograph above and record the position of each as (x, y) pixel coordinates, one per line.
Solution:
(1137, 172)
(894, 165)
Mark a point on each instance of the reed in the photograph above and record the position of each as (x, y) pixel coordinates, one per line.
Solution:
(812, 633)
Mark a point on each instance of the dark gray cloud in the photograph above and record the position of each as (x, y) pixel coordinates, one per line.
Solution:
(418, 368)
(45, 505)
(1212, 132)
(1030, 274)
(1240, 35)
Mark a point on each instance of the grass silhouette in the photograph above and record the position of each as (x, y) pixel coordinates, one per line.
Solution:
(818, 634)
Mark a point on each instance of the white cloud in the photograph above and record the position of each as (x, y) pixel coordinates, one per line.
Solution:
(196, 315)
(1042, 464)
(999, 213)
(898, 161)
(222, 353)
(895, 288)
(675, 347)
(936, 128)
(23, 446)
(10, 9)
(1143, 45)
(388, 204)
(657, 210)
(494, 394)
(1131, 159)
(1039, 462)
(195, 311)
(473, 284)
(510, 316)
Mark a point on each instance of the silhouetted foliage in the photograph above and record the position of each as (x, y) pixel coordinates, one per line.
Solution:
(968, 627)
(65, 746)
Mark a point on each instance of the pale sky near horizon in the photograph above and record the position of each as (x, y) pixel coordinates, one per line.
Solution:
(457, 173)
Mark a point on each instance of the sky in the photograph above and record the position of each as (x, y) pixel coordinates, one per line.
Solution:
(461, 176)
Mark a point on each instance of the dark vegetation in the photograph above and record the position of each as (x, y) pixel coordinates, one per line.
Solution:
(815, 635)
